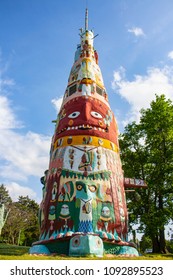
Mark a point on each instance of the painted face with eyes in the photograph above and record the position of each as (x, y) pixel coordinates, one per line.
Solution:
(86, 190)
(90, 116)
(105, 212)
(64, 210)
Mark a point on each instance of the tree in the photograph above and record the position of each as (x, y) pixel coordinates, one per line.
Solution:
(157, 122)
(22, 223)
(145, 243)
(134, 157)
(29, 210)
(4, 195)
(147, 152)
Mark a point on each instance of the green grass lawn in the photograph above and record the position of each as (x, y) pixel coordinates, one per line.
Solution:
(13, 252)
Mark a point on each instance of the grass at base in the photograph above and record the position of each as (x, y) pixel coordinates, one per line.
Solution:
(8, 250)
(13, 252)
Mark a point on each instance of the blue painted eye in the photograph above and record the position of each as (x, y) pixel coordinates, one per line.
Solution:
(74, 115)
(96, 115)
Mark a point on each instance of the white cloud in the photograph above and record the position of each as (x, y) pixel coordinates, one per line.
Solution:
(57, 103)
(23, 155)
(142, 89)
(137, 31)
(120, 74)
(16, 190)
(8, 120)
(6, 82)
(170, 55)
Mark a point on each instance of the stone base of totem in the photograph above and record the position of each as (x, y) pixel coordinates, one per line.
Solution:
(81, 245)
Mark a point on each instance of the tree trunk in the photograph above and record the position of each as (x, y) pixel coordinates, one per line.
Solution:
(163, 249)
(18, 241)
(134, 235)
(13, 240)
(155, 243)
(161, 230)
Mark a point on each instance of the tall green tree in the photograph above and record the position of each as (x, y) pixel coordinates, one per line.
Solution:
(147, 153)
(29, 210)
(4, 195)
(157, 123)
(22, 223)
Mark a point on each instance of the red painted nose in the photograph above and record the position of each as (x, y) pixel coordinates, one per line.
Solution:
(86, 111)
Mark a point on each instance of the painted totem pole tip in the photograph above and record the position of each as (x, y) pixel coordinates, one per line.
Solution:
(86, 19)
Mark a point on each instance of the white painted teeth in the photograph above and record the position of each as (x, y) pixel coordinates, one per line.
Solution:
(83, 126)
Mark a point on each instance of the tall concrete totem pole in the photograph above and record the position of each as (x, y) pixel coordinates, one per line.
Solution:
(83, 211)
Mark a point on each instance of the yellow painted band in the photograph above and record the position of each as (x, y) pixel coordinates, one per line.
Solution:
(85, 140)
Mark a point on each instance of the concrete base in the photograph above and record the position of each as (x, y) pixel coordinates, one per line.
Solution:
(83, 245)
(39, 250)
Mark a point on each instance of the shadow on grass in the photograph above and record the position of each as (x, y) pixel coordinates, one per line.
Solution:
(153, 256)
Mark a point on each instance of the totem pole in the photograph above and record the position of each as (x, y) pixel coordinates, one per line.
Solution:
(83, 211)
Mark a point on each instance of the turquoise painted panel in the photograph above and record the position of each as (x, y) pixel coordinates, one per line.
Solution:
(83, 245)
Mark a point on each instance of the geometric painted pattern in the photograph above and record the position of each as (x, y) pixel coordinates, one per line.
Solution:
(85, 226)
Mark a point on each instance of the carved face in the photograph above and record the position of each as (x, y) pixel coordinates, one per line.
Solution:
(65, 210)
(86, 189)
(86, 116)
(105, 212)
(52, 210)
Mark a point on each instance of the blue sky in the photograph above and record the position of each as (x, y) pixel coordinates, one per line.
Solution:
(38, 39)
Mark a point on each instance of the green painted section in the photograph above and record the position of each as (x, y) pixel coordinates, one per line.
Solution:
(119, 250)
(59, 247)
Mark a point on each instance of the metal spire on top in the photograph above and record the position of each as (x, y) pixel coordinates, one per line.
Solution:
(86, 19)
